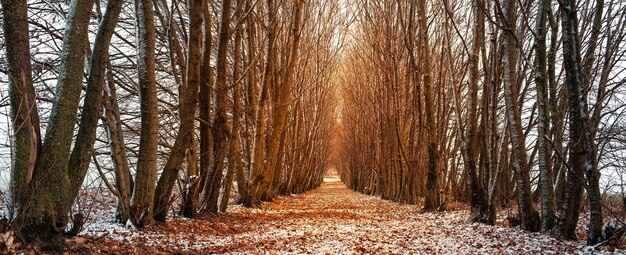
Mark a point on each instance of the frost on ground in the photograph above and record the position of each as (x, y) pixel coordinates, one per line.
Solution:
(329, 220)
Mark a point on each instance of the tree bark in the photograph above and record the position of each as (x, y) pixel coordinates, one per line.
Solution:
(583, 151)
(143, 194)
(26, 140)
(478, 196)
(204, 108)
(259, 156)
(528, 216)
(123, 177)
(86, 136)
(188, 104)
(220, 122)
(548, 209)
(432, 197)
(252, 98)
(46, 216)
(234, 148)
(282, 108)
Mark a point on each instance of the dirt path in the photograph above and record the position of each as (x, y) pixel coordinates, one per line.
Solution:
(329, 220)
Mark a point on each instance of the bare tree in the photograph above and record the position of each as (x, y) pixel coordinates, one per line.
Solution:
(548, 209)
(188, 105)
(220, 124)
(145, 180)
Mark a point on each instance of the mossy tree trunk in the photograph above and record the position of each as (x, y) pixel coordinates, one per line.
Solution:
(45, 218)
(86, 136)
(24, 116)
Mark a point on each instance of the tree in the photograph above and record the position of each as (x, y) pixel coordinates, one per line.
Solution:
(234, 147)
(42, 207)
(432, 196)
(259, 157)
(478, 196)
(86, 135)
(24, 115)
(204, 108)
(188, 105)
(119, 158)
(583, 151)
(145, 180)
(548, 209)
(282, 99)
(220, 125)
(519, 161)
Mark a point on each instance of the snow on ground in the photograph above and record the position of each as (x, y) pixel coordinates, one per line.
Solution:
(329, 220)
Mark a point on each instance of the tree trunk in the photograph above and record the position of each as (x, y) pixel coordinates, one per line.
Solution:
(86, 136)
(251, 107)
(205, 117)
(282, 108)
(478, 196)
(220, 122)
(253, 200)
(190, 193)
(26, 140)
(188, 103)
(548, 210)
(529, 217)
(591, 169)
(143, 194)
(583, 151)
(234, 150)
(46, 216)
(123, 177)
(432, 198)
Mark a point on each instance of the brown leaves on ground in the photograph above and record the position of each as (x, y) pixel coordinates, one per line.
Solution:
(329, 220)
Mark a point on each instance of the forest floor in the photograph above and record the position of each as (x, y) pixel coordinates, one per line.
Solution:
(329, 220)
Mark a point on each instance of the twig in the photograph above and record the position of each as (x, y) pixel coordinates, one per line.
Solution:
(104, 178)
(560, 156)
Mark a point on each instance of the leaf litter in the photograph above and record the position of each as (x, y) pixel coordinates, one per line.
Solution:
(329, 220)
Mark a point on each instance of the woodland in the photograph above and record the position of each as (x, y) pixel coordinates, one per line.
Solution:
(312, 126)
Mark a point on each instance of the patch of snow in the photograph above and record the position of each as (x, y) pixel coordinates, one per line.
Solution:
(335, 220)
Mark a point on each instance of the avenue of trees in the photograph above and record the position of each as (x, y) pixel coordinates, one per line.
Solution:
(172, 104)
(178, 106)
(490, 102)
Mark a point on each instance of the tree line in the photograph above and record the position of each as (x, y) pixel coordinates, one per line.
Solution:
(489, 102)
(172, 103)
